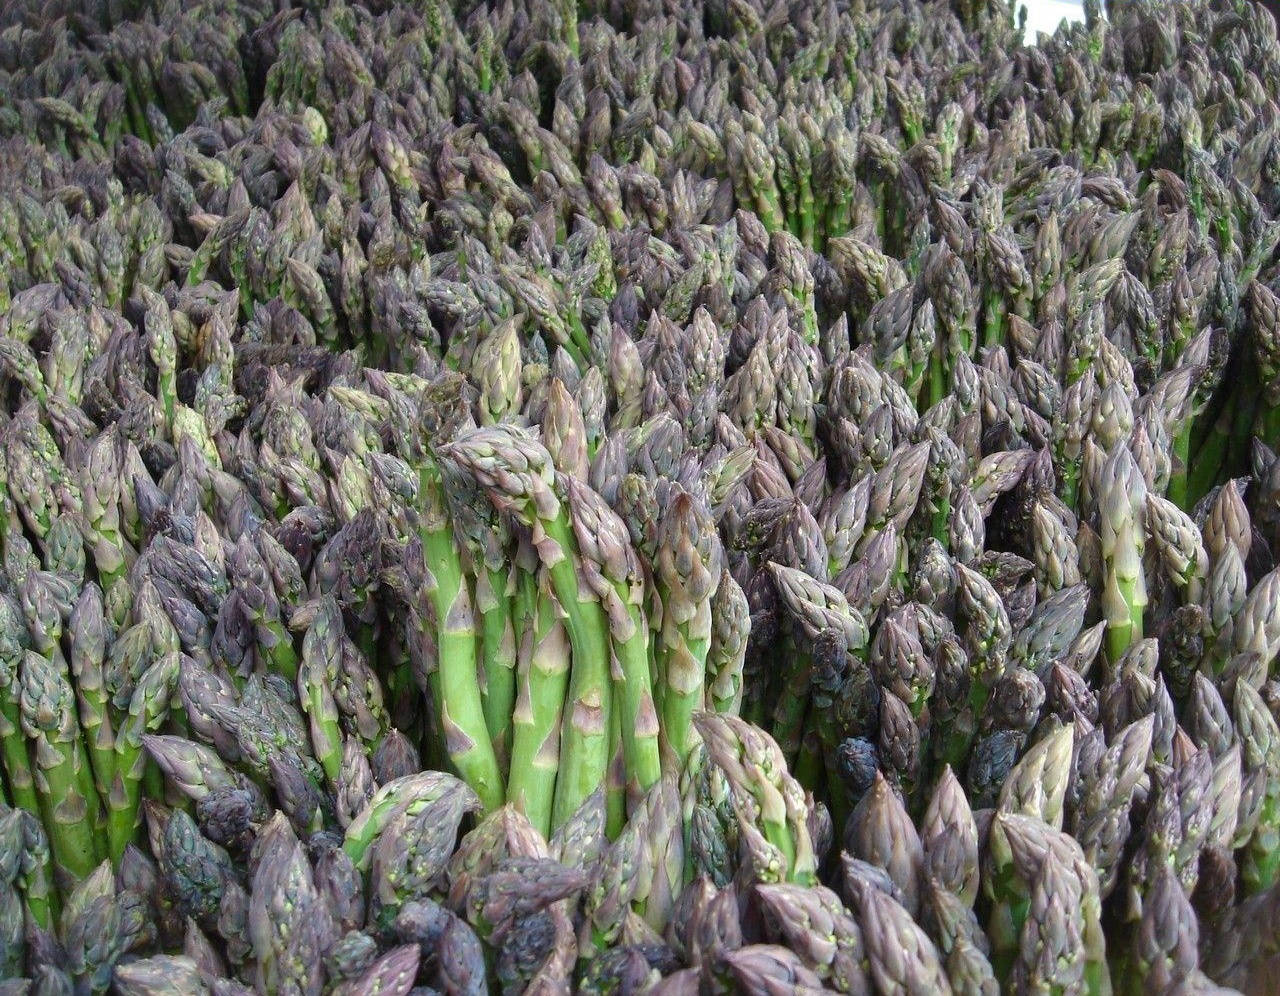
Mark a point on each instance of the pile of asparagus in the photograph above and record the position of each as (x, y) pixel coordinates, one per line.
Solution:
(627, 497)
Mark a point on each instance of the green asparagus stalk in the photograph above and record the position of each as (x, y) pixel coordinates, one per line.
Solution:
(34, 873)
(517, 472)
(487, 536)
(148, 708)
(1121, 497)
(320, 664)
(542, 681)
(687, 569)
(403, 796)
(461, 711)
(13, 745)
(49, 721)
(613, 569)
(88, 628)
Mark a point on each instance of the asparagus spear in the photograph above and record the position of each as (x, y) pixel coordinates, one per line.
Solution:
(543, 678)
(610, 565)
(1120, 497)
(517, 473)
(148, 707)
(762, 789)
(89, 635)
(488, 538)
(320, 663)
(462, 716)
(48, 720)
(13, 744)
(687, 572)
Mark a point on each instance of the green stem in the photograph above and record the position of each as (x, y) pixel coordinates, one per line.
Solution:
(1261, 866)
(789, 199)
(579, 344)
(543, 678)
(100, 742)
(1237, 456)
(942, 521)
(615, 783)
(993, 321)
(638, 716)
(779, 835)
(1205, 467)
(461, 713)
(896, 237)
(1124, 633)
(34, 880)
(1070, 483)
(937, 375)
(17, 761)
(877, 198)
(498, 645)
(1267, 427)
(807, 215)
(955, 743)
(284, 658)
(769, 208)
(122, 812)
(67, 817)
(367, 642)
(809, 763)
(153, 782)
(1177, 491)
(584, 742)
(788, 716)
(685, 668)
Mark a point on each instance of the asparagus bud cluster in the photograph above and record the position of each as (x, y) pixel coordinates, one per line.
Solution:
(535, 497)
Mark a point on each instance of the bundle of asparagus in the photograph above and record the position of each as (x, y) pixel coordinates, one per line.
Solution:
(543, 497)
